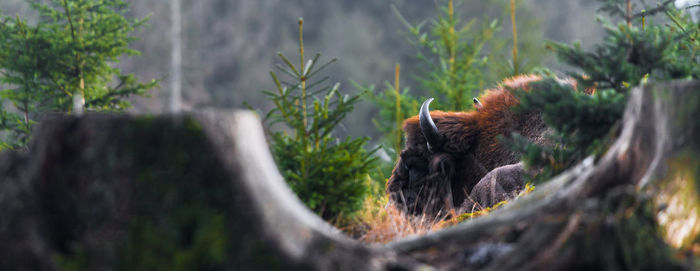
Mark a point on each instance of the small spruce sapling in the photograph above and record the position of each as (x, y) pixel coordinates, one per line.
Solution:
(633, 52)
(636, 49)
(65, 63)
(328, 174)
(453, 57)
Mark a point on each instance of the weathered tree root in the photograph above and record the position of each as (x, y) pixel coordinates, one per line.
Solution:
(297, 232)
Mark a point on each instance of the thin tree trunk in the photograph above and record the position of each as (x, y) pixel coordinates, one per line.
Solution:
(176, 57)
(78, 97)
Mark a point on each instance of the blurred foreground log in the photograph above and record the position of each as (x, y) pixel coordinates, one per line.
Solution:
(202, 192)
(196, 192)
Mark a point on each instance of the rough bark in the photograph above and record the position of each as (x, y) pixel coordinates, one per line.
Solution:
(105, 192)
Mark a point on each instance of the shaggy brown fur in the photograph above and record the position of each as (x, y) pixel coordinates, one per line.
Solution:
(434, 182)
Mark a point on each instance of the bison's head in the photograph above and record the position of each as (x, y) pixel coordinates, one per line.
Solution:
(438, 166)
(447, 153)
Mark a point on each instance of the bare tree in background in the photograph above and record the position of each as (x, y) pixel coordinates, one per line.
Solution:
(176, 57)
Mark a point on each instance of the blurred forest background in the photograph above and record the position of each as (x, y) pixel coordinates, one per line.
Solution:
(228, 47)
(219, 53)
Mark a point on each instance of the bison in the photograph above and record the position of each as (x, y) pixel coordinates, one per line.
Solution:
(447, 153)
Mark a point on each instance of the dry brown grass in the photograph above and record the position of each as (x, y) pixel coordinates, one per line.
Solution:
(380, 222)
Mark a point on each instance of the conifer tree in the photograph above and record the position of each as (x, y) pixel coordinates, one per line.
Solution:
(65, 63)
(453, 57)
(634, 51)
(327, 173)
(637, 48)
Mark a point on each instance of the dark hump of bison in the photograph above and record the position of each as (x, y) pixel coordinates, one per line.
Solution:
(498, 185)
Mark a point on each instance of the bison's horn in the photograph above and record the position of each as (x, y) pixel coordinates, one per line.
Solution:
(477, 103)
(427, 126)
